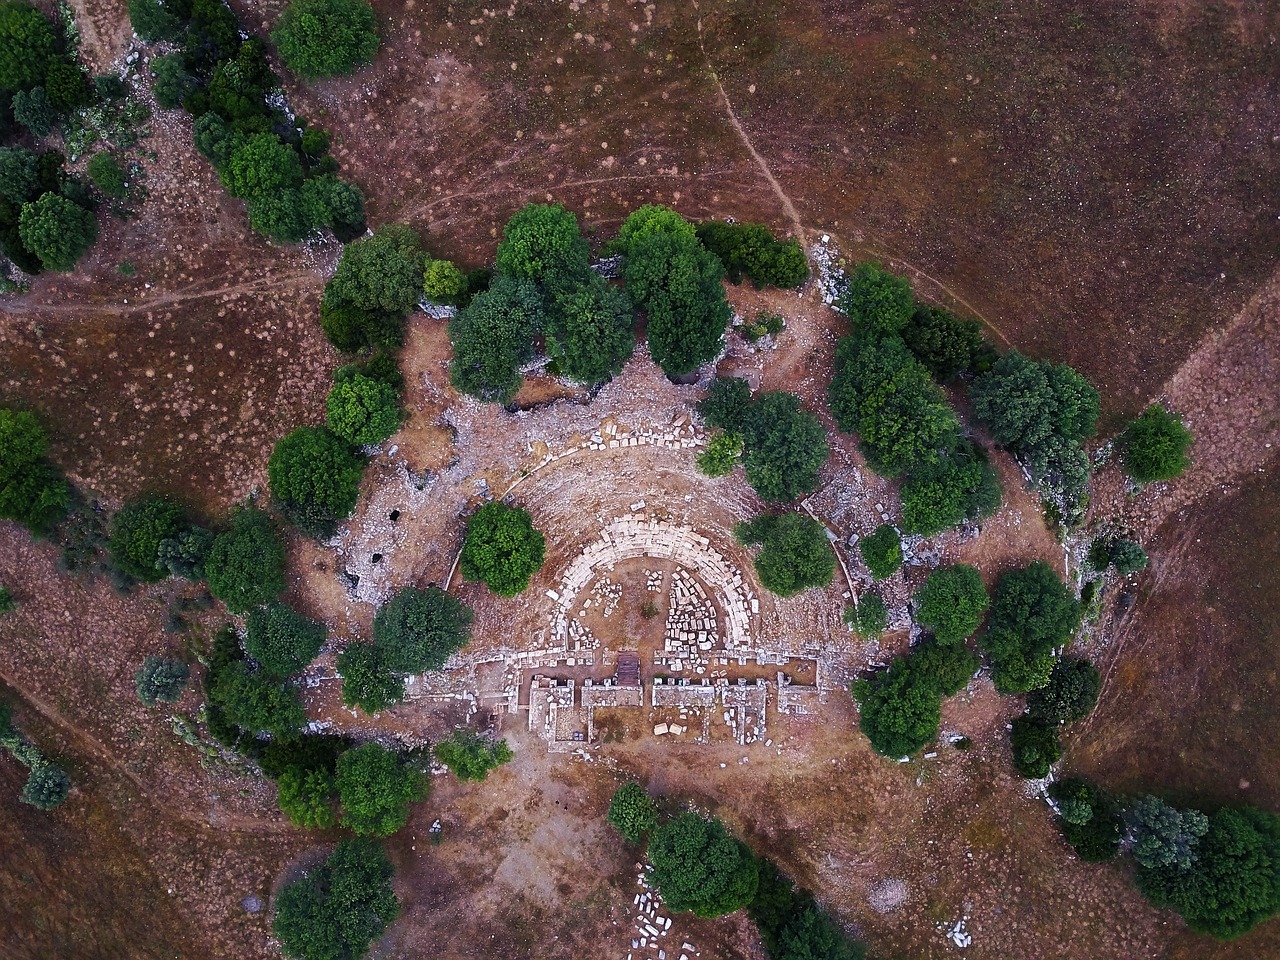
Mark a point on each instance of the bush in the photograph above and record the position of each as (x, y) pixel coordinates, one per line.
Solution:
(591, 331)
(32, 491)
(493, 338)
(337, 911)
(306, 797)
(324, 38)
(796, 553)
(750, 249)
(7, 603)
(47, 786)
(542, 243)
(869, 617)
(161, 680)
(153, 20)
(245, 568)
(945, 344)
(882, 551)
(376, 788)
(784, 447)
(442, 282)
(1035, 746)
(470, 756)
(137, 530)
(1070, 694)
(107, 175)
(727, 404)
(186, 554)
(1154, 447)
(951, 602)
(877, 301)
(367, 682)
(257, 701)
(315, 476)
(282, 640)
(1032, 613)
(698, 866)
(633, 812)
(502, 548)
(1127, 557)
(1090, 820)
(1164, 836)
(960, 486)
(363, 411)
(1235, 882)
(27, 46)
(721, 455)
(418, 630)
(57, 231)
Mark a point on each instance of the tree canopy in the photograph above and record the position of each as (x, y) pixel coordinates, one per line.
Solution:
(1154, 446)
(951, 602)
(137, 530)
(1164, 836)
(32, 491)
(868, 617)
(1090, 819)
(315, 477)
(470, 756)
(378, 281)
(881, 551)
(418, 630)
(282, 640)
(376, 787)
(1035, 746)
(945, 344)
(367, 682)
(900, 708)
(750, 249)
(28, 46)
(161, 680)
(795, 554)
(542, 243)
(324, 38)
(493, 338)
(959, 486)
(502, 548)
(1071, 693)
(590, 330)
(633, 812)
(361, 409)
(699, 866)
(245, 568)
(1032, 612)
(57, 231)
(257, 701)
(877, 301)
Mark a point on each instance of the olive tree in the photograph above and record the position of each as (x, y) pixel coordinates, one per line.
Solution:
(315, 477)
(376, 787)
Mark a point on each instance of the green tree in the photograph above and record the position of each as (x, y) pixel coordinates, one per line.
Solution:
(367, 682)
(442, 282)
(324, 38)
(185, 554)
(245, 568)
(493, 337)
(1090, 819)
(27, 46)
(632, 812)
(960, 486)
(7, 603)
(882, 551)
(35, 111)
(20, 178)
(261, 165)
(784, 447)
(47, 786)
(542, 243)
(877, 301)
(945, 344)
(161, 680)
(1127, 557)
(381, 272)
(362, 410)
(1164, 836)
(32, 491)
(306, 797)
(376, 787)
(868, 617)
(57, 231)
(813, 935)
(900, 708)
(951, 602)
(795, 553)
(315, 476)
(1032, 613)
(1025, 402)
(471, 756)
(137, 530)
(1154, 446)
(591, 331)
(173, 84)
(699, 866)
(502, 548)
(649, 220)
(418, 630)
(721, 455)
(257, 701)
(750, 249)
(1035, 746)
(282, 640)
(1070, 694)
(107, 175)
(727, 404)
(1234, 883)
(336, 912)
(152, 20)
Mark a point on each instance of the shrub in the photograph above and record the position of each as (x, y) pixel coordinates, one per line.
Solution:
(442, 282)
(186, 554)
(1070, 694)
(336, 912)
(107, 175)
(376, 788)
(951, 602)
(1031, 614)
(1154, 446)
(257, 701)
(137, 530)
(1235, 882)
(784, 447)
(542, 243)
(245, 568)
(363, 411)
(727, 404)
(282, 640)
(698, 866)
(882, 551)
(721, 455)
(306, 797)
(796, 553)
(1164, 836)
(877, 301)
(161, 680)
(960, 486)
(27, 46)
(1035, 746)
(632, 812)
(418, 630)
(945, 344)
(153, 20)
(7, 603)
(750, 249)
(57, 231)
(32, 492)
(1090, 819)
(591, 331)
(471, 756)
(47, 786)
(502, 548)
(315, 476)
(493, 338)
(367, 682)
(324, 38)
(869, 617)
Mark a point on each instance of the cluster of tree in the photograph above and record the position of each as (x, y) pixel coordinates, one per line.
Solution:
(324, 38)
(279, 167)
(1155, 446)
(470, 756)
(783, 445)
(949, 346)
(795, 553)
(1069, 695)
(751, 250)
(46, 216)
(502, 548)
(32, 490)
(47, 784)
(414, 632)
